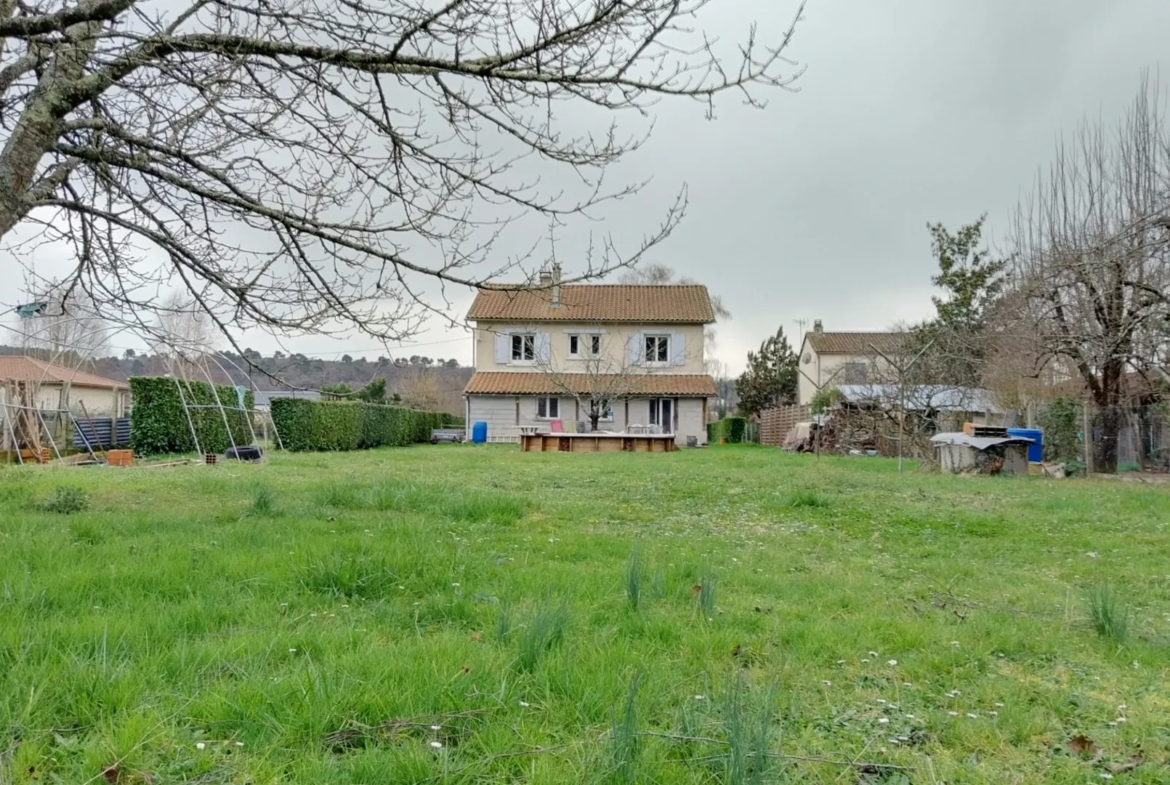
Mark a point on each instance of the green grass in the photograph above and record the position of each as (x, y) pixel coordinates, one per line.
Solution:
(467, 615)
(1107, 613)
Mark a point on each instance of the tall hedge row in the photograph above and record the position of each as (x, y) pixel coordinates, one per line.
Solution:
(159, 425)
(349, 425)
(730, 428)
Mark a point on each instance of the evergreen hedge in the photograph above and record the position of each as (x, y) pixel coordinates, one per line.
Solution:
(730, 428)
(158, 424)
(306, 425)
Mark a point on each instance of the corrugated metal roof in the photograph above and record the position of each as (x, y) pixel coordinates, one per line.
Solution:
(854, 343)
(516, 383)
(598, 302)
(978, 442)
(921, 397)
(27, 369)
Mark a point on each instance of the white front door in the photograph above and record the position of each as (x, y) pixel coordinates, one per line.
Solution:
(662, 413)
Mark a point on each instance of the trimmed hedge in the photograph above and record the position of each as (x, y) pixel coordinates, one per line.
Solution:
(730, 428)
(158, 424)
(306, 425)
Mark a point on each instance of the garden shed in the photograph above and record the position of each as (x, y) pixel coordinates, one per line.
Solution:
(960, 452)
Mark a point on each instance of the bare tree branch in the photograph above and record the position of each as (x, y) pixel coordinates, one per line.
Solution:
(326, 165)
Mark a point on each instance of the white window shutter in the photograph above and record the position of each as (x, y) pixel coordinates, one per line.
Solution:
(636, 349)
(678, 346)
(543, 347)
(503, 348)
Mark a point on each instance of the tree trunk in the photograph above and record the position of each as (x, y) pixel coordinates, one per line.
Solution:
(1108, 400)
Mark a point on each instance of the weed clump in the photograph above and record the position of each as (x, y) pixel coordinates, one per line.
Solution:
(623, 748)
(66, 500)
(807, 498)
(544, 631)
(1108, 613)
(263, 503)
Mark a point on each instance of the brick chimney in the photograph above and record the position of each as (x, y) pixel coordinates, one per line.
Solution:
(818, 328)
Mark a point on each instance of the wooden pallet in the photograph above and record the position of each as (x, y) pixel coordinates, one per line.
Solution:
(990, 431)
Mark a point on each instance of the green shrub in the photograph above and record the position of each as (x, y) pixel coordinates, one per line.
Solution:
(159, 424)
(730, 428)
(1061, 424)
(824, 399)
(349, 425)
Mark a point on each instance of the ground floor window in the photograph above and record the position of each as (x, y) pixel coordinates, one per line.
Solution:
(662, 413)
(548, 408)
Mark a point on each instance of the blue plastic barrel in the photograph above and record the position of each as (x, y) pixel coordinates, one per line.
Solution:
(479, 432)
(1036, 448)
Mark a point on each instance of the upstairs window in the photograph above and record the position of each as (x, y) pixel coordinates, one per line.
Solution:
(657, 348)
(584, 345)
(854, 373)
(523, 347)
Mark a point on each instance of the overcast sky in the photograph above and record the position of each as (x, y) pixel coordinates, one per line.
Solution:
(910, 111)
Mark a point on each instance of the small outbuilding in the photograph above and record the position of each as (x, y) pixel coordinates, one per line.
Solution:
(960, 452)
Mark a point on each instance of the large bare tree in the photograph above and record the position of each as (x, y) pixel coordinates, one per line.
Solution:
(1092, 259)
(63, 326)
(658, 274)
(309, 165)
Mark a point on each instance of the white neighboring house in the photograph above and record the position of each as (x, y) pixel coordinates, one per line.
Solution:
(834, 359)
(633, 353)
(58, 387)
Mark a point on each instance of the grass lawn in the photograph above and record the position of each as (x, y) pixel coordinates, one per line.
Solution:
(461, 614)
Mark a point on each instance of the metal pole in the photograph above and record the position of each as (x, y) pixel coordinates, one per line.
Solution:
(1088, 425)
(186, 411)
(222, 413)
(12, 430)
(92, 430)
(48, 433)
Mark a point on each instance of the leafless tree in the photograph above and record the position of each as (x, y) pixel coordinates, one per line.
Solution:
(599, 376)
(604, 372)
(1092, 250)
(65, 328)
(658, 274)
(184, 333)
(315, 165)
(420, 389)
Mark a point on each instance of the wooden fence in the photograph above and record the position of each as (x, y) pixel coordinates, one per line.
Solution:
(776, 423)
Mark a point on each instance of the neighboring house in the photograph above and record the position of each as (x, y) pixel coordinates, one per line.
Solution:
(57, 387)
(552, 353)
(833, 359)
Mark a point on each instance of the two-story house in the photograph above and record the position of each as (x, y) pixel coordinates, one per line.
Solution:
(833, 359)
(576, 356)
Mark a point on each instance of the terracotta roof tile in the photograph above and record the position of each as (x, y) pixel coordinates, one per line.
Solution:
(524, 383)
(597, 302)
(27, 369)
(854, 343)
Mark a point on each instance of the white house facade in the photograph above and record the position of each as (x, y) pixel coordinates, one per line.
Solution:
(579, 356)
